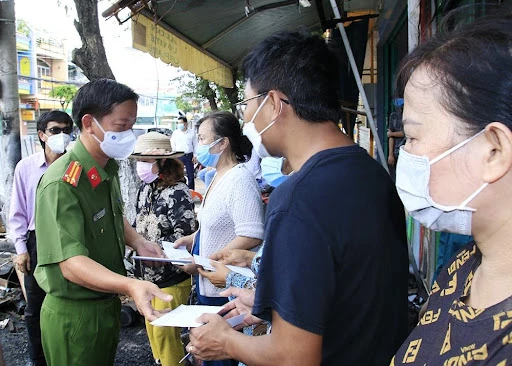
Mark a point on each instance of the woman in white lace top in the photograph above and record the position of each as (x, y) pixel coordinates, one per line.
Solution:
(231, 215)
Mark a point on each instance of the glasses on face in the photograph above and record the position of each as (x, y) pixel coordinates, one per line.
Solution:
(242, 106)
(57, 130)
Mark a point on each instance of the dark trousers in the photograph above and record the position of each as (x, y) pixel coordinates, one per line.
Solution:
(189, 166)
(35, 297)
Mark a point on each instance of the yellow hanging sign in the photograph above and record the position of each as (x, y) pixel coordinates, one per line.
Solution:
(162, 44)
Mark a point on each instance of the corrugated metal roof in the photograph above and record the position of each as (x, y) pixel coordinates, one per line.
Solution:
(223, 29)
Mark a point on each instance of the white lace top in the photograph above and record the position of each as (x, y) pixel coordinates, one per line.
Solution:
(233, 207)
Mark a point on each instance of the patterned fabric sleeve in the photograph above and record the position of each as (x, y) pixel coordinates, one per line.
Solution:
(180, 213)
(137, 205)
(238, 280)
(255, 265)
(234, 279)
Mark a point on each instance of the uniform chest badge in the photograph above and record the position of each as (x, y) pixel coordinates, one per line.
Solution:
(72, 174)
(99, 215)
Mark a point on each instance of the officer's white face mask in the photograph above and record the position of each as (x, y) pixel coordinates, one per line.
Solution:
(412, 183)
(116, 145)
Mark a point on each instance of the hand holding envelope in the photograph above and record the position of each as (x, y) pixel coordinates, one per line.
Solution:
(180, 256)
(242, 304)
(211, 334)
(191, 316)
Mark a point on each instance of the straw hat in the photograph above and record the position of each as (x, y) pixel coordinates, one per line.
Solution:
(154, 145)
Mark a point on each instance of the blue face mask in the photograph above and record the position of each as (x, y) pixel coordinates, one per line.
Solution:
(204, 157)
(271, 171)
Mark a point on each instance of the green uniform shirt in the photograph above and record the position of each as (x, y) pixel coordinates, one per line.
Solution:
(81, 220)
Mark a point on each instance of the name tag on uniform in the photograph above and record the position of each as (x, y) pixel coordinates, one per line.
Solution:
(98, 215)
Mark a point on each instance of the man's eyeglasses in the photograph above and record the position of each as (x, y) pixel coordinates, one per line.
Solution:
(57, 130)
(242, 106)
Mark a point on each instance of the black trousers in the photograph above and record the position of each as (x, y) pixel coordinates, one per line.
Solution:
(189, 166)
(35, 297)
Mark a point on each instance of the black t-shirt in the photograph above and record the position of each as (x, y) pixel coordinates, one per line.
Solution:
(335, 260)
(452, 333)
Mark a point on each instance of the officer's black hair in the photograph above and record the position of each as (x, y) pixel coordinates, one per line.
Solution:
(99, 97)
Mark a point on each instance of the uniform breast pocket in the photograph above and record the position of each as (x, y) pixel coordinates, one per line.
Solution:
(98, 224)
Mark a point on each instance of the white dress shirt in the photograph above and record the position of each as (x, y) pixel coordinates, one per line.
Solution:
(184, 141)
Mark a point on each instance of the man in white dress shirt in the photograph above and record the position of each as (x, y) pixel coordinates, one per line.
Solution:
(184, 139)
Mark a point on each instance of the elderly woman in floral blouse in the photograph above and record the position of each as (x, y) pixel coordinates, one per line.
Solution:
(165, 212)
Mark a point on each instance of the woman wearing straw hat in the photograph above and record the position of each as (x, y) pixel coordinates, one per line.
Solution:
(165, 212)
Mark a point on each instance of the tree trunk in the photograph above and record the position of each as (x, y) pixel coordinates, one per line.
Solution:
(10, 147)
(130, 183)
(91, 57)
(232, 93)
(213, 103)
(211, 96)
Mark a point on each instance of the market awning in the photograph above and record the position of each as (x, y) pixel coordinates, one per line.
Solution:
(211, 37)
(161, 43)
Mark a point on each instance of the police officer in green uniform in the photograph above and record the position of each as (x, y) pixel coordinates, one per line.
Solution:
(82, 234)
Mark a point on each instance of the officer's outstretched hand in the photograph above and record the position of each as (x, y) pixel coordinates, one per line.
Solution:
(142, 293)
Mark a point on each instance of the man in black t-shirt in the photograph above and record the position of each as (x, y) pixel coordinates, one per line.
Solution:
(334, 271)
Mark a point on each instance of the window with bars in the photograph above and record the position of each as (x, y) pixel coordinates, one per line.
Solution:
(44, 72)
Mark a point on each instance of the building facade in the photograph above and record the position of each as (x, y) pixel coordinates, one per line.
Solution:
(42, 65)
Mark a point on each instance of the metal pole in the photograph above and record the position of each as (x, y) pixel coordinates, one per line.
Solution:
(359, 85)
(10, 146)
(413, 23)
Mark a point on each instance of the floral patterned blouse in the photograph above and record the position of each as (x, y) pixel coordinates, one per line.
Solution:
(164, 214)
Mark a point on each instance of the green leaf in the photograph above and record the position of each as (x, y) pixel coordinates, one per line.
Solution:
(65, 93)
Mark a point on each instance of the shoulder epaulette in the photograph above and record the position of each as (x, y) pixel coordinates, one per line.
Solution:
(72, 174)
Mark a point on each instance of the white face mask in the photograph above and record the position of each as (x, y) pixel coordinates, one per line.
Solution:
(117, 145)
(254, 136)
(412, 183)
(58, 143)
